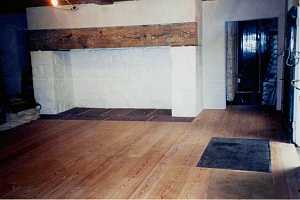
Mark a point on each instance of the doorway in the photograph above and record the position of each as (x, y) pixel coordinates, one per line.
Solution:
(251, 67)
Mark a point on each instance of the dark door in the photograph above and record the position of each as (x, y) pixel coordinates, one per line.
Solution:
(248, 71)
(257, 62)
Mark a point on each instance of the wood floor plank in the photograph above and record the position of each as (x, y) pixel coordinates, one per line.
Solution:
(240, 185)
(112, 159)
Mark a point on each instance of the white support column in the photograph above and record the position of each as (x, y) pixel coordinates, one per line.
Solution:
(185, 97)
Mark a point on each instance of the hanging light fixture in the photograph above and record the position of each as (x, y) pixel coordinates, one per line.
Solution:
(55, 4)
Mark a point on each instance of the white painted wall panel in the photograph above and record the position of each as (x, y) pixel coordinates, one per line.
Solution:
(43, 81)
(142, 12)
(156, 77)
(63, 81)
(122, 78)
(52, 81)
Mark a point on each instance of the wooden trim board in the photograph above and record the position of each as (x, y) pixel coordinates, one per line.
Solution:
(177, 34)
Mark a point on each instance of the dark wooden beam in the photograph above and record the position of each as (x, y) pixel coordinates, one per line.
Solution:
(181, 34)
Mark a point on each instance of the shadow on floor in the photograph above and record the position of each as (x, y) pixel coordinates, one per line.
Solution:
(159, 115)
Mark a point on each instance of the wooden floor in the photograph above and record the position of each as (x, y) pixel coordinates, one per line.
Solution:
(107, 159)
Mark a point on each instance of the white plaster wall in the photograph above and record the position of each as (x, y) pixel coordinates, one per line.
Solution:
(52, 81)
(215, 14)
(122, 78)
(128, 13)
(133, 77)
(43, 81)
(63, 77)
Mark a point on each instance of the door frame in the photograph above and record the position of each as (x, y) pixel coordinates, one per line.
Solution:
(296, 123)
